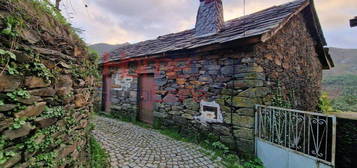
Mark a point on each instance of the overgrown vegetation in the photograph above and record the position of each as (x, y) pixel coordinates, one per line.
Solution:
(98, 156)
(35, 39)
(18, 123)
(45, 160)
(36, 67)
(5, 156)
(343, 89)
(20, 93)
(53, 112)
(11, 24)
(7, 58)
(210, 144)
(13, 98)
(325, 104)
(279, 100)
(50, 9)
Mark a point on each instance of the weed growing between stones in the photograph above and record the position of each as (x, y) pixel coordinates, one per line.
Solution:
(15, 95)
(211, 146)
(53, 112)
(18, 123)
(11, 24)
(279, 100)
(98, 156)
(6, 57)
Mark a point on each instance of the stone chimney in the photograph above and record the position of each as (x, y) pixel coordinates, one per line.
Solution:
(209, 18)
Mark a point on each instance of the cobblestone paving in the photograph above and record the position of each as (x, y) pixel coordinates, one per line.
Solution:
(131, 146)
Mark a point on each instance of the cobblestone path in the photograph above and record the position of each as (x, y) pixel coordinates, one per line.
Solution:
(131, 146)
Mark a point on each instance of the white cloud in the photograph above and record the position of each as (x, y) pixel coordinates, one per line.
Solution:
(120, 21)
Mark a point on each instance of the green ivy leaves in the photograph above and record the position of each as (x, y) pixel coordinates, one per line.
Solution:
(12, 69)
(4, 156)
(8, 53)
(42, 71)
(6, 59)
(39, 69)
(2, 142)
(54, 112)
(18, 94)
(45, 160)
(18, 123)
(11, 24)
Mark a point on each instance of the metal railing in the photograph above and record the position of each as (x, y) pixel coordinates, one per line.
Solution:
(310, 134)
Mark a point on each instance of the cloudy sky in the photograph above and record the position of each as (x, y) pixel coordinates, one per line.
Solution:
(120, 21)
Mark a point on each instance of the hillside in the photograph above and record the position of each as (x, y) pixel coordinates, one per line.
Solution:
(341, 82)
(102, 48)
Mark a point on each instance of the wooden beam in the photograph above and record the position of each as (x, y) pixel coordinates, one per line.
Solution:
(353, 22)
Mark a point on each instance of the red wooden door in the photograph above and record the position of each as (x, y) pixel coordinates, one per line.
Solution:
(147, 99)
(106, 93)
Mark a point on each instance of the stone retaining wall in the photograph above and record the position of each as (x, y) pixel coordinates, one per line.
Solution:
(46, 87)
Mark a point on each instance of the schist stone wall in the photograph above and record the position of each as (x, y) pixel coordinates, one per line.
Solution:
(235, 79)
(291, 58)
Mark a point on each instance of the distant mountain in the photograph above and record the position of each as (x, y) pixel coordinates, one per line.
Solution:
(345, 62)
(102, 48)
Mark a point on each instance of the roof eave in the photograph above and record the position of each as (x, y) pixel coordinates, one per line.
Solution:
(330, 63)
(325, 57)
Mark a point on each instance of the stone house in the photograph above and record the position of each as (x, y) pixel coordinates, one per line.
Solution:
(208, 79)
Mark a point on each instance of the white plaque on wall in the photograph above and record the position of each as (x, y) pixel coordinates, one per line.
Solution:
(210, 112)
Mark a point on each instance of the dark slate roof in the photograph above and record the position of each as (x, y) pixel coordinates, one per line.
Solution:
(239, 28)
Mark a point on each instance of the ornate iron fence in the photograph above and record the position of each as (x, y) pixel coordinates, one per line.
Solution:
(312, 134)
